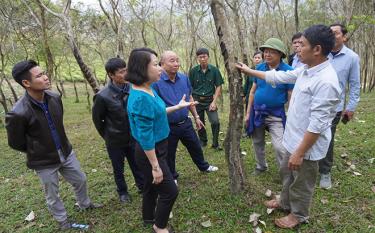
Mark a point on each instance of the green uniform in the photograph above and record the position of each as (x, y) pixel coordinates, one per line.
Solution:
(204, 85)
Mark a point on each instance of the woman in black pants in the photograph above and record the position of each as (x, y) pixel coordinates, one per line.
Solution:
(149, 126)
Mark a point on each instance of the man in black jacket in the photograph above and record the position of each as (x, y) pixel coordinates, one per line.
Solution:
(111, 120)
(35, 127)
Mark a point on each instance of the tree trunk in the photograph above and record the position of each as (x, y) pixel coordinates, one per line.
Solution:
(233, 136)
(14, 94)
(296, 20)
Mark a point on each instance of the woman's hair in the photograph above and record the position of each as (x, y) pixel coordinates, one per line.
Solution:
(139, 59)
(258, 52)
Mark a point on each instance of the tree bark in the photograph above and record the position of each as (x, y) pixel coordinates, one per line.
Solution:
(296, 19)
(233, 136)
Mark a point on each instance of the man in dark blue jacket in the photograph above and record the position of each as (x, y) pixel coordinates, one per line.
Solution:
(110, 118)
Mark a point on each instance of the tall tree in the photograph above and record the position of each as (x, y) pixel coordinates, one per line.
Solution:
(233, 136)
(65, 19)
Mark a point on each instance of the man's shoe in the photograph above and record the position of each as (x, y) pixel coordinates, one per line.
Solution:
(125, 198)
(212, 169)
(66, 225)
(258, 172)
(325, 181)
(216, 147)
(90, 207)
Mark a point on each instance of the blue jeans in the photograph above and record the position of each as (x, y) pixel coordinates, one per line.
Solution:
(117, 156)
(185, 132)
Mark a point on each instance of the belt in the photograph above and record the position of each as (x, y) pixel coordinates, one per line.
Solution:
(179, 123)
(203, 97)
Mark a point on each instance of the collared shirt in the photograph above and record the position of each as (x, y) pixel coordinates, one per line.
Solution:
(312, 106)
(296, 62)
(346, 64)
(205, 83)
(148, 118)
(51, 125)
(172, 92)
(270, 96)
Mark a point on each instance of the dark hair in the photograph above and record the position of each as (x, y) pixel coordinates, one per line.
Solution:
(320, 35)
(139, 59)
(114, 64)
(21, 70)
(201, 51)
(296, 36)
(258, 52)
(343, 28)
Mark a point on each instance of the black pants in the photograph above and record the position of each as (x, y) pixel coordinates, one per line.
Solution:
(326, 163)
(117, 156)
(158, 199)
(186, 133)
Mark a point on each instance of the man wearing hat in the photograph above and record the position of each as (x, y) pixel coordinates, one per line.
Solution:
(266, 109)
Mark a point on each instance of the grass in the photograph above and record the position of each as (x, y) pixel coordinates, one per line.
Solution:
(348, 207)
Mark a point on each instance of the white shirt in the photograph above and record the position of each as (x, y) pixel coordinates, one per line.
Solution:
(296, 62)
(312, 107)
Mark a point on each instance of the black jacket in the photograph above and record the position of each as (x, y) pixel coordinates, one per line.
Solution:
(110, 116)
(28, 131)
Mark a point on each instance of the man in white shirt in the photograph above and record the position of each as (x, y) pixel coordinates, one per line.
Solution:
(307, 135)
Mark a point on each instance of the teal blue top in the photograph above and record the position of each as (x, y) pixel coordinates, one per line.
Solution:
(148, 118)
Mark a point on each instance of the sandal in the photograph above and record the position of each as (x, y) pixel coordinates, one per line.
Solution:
(272, 204)
(288, 222)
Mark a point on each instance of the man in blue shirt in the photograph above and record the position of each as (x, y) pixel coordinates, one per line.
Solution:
(266, 105)
(171, 87)
(346, 63)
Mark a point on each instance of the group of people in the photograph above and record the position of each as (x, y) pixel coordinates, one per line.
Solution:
(143, 112)
(314, 85)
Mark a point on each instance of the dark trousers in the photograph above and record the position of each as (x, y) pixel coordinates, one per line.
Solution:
(185, 132)
(213, 117)
(158, 199)
(117, 156)
(326, 163)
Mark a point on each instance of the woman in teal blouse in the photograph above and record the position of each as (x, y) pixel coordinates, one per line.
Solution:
(149, 126)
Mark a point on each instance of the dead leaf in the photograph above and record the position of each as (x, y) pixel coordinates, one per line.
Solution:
(258, 230)
(206, 224)
(268, 143)
(170, 215)
(94, 170)
(371, 160)
(324, 201)
(263, 223)
(254, 217)
(373, 188)
(268, 193)
(344, 155)
(30, 217)
(269, 210)
(357, 173)
(352, 167)
(243, 153)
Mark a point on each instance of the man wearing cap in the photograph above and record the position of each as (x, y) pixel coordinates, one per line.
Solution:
(266, 109)
(171, 87)
(206, 81)
(35, 127)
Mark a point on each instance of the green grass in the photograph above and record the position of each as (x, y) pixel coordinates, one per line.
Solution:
(350, 206)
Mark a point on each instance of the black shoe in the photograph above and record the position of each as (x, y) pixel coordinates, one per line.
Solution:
(258, 172)
(66, 225)
(90, 207)
(125, 198)
(148, 223)
(216, 147)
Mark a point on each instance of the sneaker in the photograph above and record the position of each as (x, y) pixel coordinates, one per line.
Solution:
(325, 181)
(212, 169)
